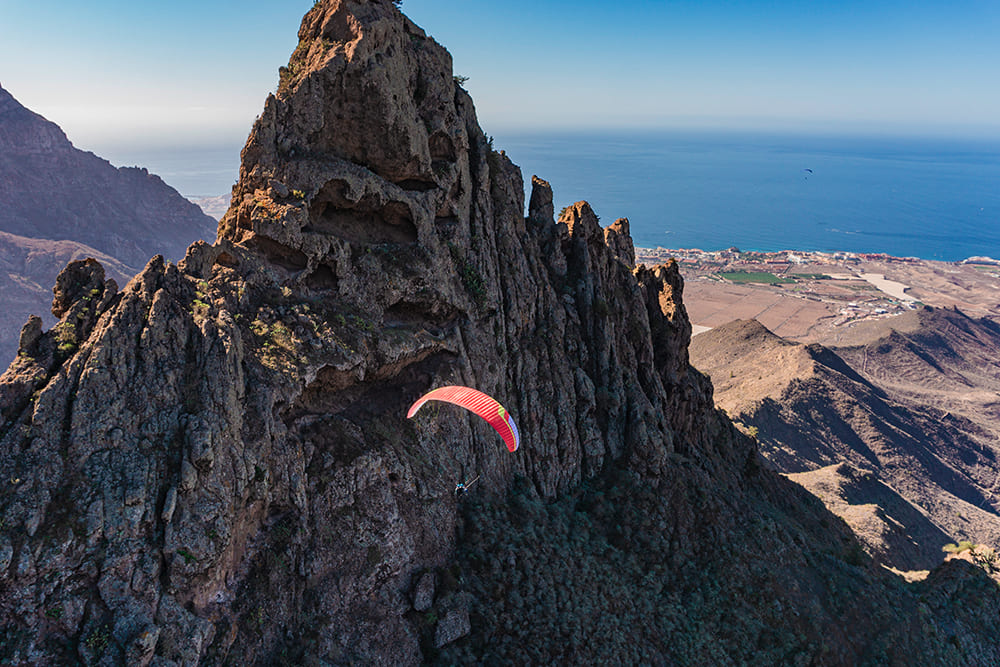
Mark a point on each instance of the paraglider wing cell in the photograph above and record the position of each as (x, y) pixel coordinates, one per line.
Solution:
(476, 402)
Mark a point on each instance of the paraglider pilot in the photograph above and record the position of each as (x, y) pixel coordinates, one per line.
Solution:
(462, 487)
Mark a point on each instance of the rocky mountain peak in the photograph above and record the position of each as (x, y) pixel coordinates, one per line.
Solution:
(221, 468)
(369, 143)
(399, 113)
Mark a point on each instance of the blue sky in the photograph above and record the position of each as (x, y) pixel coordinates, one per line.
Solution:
(115, 73)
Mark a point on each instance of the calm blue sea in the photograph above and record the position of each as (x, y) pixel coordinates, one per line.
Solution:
(934, 199)
(198, 171)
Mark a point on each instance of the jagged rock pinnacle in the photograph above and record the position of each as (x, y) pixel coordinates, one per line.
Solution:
(219, 467)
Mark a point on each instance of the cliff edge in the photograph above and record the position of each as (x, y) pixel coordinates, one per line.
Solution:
(213, 465)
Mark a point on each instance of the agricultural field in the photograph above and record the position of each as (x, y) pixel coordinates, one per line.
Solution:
(753, 277)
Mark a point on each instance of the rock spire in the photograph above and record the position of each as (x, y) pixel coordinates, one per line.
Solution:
(217, 467)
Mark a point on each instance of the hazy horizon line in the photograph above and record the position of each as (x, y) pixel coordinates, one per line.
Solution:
(179, 143)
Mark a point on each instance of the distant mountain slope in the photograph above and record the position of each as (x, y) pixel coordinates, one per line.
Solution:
(936, 356)
(58, 203)
(897, 531)
(883, 409)
(51, 190)
(27, 272)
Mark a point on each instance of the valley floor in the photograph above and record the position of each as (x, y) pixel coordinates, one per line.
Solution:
(871, 380)
(829, 298)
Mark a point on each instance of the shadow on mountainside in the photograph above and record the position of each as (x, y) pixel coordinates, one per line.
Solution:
(213, 465)
(839, 408)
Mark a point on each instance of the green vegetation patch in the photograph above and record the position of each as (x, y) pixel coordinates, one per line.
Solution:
(753, 277)
(65, 334)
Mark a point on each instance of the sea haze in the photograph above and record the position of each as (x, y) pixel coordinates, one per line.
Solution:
(194, 171)
(928, 198)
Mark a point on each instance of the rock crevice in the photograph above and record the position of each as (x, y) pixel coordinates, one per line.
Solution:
(222, 468)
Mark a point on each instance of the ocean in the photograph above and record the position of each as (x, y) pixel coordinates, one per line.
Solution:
(194, 171)
(918, 197)
(908, 197)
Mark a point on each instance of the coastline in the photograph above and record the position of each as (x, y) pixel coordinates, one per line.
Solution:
(830, 298)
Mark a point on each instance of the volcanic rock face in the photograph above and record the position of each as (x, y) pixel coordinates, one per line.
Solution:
(214, 466)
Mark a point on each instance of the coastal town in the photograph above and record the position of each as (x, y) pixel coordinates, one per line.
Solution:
(821, 296)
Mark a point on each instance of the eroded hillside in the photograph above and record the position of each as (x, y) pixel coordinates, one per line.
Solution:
(897, 436)
(213, 465)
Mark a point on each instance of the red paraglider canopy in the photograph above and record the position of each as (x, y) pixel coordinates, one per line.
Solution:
(479, 403)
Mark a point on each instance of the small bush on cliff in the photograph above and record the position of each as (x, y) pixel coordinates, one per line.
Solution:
(98, 639)
(962, 546)
(471, 278)
(287, 75)
(65, 338)
(474, 282)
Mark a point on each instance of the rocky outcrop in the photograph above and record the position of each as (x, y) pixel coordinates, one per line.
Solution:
(220, 469)
(28, 269)
(58, 204)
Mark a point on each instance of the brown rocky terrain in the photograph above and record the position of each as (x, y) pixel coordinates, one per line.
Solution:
(59, 203)
(28, 268)
(897, 436)
(213, 465)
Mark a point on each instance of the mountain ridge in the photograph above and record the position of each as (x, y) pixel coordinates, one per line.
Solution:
(54, 196)
(39, 162)
(852, 406)
(252, 492)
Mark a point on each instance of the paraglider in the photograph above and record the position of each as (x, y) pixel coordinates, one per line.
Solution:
(478, 403)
